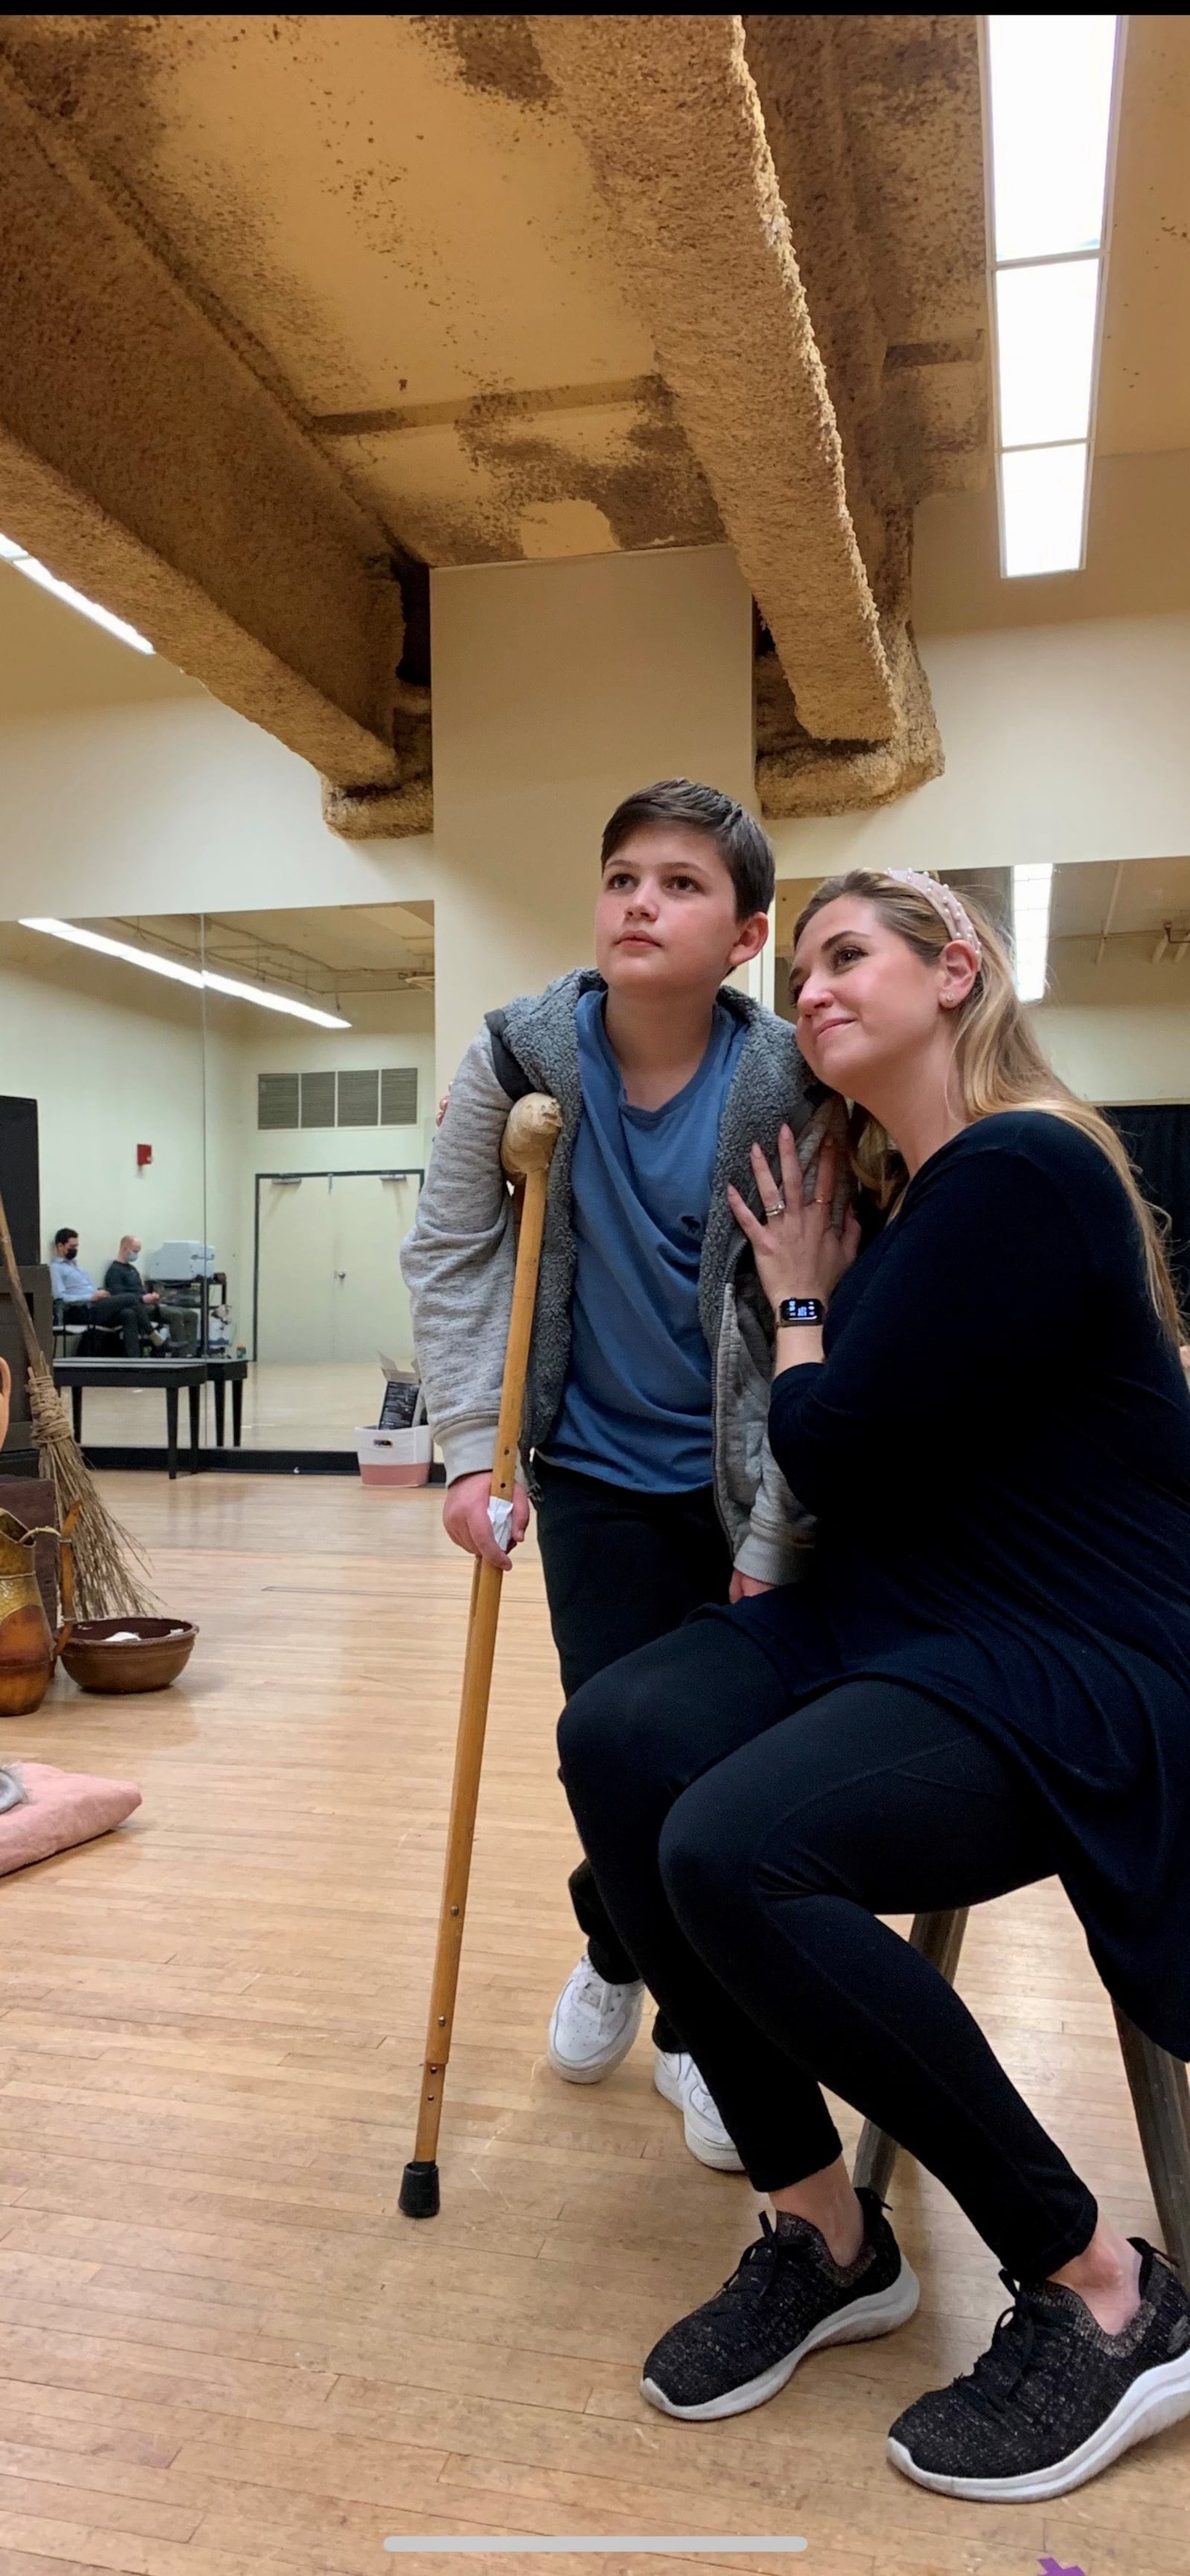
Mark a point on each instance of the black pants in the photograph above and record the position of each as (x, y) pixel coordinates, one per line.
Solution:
(620, 1570)
(745, 1855)
(128, 1316)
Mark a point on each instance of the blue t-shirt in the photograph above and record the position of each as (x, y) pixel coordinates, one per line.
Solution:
(636, 1407)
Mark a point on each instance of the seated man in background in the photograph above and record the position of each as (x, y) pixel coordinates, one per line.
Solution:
(83, 1303)
(122, 1279)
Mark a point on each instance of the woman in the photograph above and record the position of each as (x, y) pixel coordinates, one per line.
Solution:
(983, 1679)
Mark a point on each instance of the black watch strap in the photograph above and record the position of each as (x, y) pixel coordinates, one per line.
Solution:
(801, 1310)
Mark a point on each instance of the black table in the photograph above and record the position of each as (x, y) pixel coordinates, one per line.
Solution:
(232, 1373)
(167, 1374)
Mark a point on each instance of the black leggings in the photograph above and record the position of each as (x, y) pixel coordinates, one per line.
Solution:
(621, 1568)
(745, 1854)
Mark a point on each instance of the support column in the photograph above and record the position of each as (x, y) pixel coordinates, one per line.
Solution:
(558, 687)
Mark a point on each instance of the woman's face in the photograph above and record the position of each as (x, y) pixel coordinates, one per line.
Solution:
(866, 1004)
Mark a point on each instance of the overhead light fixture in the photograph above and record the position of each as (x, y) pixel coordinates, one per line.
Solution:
(1051, 89)
(15, 555)
(271, 1001)
(1032, 890)
(97, 939)
(201, 978)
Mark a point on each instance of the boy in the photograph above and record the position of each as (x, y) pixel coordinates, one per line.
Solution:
(645, 1417)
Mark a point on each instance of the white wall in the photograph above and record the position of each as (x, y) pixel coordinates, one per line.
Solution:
(109, 1069)
(114, 1057)
(558, 687)
(1118, 1032)
(1119, 1056)
(177, 807)
(1062, 742)
(402, 1034)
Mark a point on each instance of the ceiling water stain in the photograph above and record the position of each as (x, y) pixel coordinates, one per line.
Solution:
(494, 55)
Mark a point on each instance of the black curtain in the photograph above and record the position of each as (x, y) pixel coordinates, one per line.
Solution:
(1158, 1142)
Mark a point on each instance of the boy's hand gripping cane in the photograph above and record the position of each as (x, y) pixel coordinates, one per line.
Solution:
(529, 1139)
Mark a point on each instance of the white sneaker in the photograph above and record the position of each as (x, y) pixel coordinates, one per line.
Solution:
(678, 2081)
(593, 2025)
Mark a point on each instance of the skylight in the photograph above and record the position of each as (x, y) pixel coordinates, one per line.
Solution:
(1051, 84)
(15, 555)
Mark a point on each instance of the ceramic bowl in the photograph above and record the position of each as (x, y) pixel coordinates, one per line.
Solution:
(130, 1654)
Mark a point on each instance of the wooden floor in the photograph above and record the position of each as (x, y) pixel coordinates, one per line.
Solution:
(222, 2349)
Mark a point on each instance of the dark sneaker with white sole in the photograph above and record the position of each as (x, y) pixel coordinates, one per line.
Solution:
(787, 2298)
(1053, 2399)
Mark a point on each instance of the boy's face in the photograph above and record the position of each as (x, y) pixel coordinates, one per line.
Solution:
(666, 920)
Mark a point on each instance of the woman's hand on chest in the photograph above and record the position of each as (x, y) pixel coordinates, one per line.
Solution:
(797, 1249)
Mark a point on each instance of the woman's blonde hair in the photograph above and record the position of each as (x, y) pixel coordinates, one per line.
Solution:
(997, 1059)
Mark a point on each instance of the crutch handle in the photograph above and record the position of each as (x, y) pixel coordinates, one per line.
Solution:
(530, 1135)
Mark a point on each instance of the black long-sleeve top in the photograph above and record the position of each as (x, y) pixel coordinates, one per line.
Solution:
(997, 1444)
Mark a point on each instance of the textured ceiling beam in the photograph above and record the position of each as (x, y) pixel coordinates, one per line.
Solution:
(668, 112)
(145, 462)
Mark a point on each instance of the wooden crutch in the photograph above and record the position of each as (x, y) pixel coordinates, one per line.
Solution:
(530, 1136)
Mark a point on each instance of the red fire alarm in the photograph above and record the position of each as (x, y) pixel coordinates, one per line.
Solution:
(144, 1154)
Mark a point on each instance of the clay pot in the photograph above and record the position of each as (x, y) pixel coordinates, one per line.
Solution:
(26, 1646)
(129, 1654)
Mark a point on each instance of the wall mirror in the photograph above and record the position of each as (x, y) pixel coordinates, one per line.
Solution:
(247, 1097)
(250, 1098)
(102, 1071)
(318, 1121)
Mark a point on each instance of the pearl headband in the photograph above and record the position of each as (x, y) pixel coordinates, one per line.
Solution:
(945, 902)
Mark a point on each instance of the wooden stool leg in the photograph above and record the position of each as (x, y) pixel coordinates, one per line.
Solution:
(939, 1938)
(1161, 2101)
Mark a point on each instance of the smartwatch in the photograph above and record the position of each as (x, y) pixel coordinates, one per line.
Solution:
(801, 1310)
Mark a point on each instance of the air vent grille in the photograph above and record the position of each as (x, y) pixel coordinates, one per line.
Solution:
(277, 1099)
(398, 1096)
(359, 1099)
(369, 1097)
(318, 1100)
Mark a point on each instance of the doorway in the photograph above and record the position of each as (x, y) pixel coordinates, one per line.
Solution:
(327, 1286)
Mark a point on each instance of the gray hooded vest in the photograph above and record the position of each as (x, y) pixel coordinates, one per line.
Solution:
(458, 1260)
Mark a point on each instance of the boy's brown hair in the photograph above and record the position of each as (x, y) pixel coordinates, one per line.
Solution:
(745, 850)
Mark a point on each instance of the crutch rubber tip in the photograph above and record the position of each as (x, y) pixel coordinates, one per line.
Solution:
(419, 2190)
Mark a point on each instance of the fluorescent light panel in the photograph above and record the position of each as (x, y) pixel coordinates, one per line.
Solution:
(179, 974)
(15, 555)
(1045, 326)
(1042, 496)
(272, 1001)
(1051, 83)
(1032, 889)
(1050, 97)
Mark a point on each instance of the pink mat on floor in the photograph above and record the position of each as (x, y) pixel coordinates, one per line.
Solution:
(65, 1807)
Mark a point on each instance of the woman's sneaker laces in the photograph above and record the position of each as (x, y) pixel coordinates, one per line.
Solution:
(1054, 2398)
(786, 2298)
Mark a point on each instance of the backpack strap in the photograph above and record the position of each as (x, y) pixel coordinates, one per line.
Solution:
(510, 1074)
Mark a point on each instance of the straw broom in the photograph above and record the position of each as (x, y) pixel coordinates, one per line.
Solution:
(110, 1573)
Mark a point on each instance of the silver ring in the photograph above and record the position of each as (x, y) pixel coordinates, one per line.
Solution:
(777, 1208)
